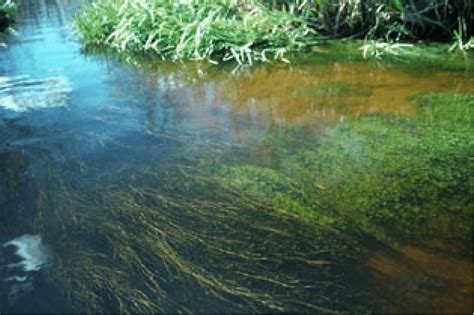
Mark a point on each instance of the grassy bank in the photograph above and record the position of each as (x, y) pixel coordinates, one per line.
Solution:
(197, 30)
(432, 20)
(7, 8)
(257, 30)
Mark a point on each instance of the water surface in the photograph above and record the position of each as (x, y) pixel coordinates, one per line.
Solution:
(183, 187)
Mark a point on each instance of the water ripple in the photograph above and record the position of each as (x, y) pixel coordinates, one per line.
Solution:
(21, 93)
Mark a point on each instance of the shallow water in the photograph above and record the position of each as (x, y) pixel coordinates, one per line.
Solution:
(183, 187)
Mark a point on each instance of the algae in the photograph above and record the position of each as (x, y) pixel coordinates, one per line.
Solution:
(390, 177)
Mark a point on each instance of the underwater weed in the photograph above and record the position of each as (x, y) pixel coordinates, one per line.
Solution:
(178, 239)
(389, 178)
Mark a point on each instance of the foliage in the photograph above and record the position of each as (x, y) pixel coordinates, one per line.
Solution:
(197, 30)
(262, 30)
(393, 19)
(459, 39)
(7, 8)
(378, 49)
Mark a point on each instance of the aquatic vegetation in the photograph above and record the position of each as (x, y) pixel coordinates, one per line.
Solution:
(259, 30)
(165, 190)
(389, 177)
(217, 232)
(170, 236)
(328, 89)
(142, 246)
(278, 191)
(198, 30)
(214, 231)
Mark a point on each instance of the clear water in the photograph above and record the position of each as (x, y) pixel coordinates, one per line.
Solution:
(182, 187)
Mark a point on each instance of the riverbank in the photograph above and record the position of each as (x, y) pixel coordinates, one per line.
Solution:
(251, 31)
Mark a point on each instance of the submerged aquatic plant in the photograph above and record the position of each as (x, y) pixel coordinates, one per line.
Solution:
(390, 178)
(181, 240)
(198, 30)
(215, 231)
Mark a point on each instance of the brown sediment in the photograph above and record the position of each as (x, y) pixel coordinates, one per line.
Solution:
(426, 278)
(309, 94)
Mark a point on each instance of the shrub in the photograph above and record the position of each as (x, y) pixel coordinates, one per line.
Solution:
(390, 19)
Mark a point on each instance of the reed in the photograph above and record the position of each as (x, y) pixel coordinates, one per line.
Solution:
(388, 19)
(198, 30)
(262, 30)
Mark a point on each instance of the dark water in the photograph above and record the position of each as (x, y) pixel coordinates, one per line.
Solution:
(181, 187)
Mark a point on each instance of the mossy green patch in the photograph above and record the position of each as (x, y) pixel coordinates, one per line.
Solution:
(336, 89)
(277, 190)
(390, 178)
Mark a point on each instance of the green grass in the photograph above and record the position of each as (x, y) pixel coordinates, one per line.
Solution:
(263, 30)
(197, 30)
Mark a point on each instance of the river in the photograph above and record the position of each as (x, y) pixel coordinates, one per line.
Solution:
(330, 185)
